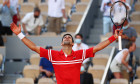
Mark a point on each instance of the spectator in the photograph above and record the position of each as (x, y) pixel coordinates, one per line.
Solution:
(105, 8)
(122, 59)
(85, 77)
(118, 12)
(129, 34)
(78, 46)
(7, 12)
(56, 10)
(31, 21)
(46, 67)
(16, 17)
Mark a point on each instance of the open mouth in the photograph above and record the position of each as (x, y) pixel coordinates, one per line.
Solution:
(66, 42)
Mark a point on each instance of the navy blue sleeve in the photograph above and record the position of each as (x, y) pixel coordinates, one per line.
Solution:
(41, 62)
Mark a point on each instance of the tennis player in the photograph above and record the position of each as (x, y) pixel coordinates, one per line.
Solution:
(66, 62)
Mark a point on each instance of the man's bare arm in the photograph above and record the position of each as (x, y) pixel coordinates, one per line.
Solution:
(101, 46)
(105, 43)
(17, 30)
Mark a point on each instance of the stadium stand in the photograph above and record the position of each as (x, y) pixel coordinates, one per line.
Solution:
(136, 81)
(71, 26)
(125, 73)
(44, 16)
(45, 81)
(119, 81)
(29, 1)
(138, 72)
(1, 58)
(97, 71)
(43, 7)
(68, 8)
(31, 71)
(1, 1)
(49, 34)
(22, 52)
(34, 1)
(27, 7)
(77, 16)
(100, 59)
(35, 59)
(135, 17)
(96, 81)
(22, 15)
(86, 1)
(81, 7)
(24, 81)
(70, 1)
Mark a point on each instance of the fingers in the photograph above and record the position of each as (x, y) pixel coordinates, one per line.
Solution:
(19, 26)
(13, 26)
(118, 32)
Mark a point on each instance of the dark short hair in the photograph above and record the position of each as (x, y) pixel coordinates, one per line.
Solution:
(69, 35)
(49, 47)
(128, 45)
(79, 35)
(36, 9)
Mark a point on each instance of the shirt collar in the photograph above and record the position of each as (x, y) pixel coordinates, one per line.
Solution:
(62, 53)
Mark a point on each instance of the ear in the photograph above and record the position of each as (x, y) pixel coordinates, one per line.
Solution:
(62, 44)
(72, 44)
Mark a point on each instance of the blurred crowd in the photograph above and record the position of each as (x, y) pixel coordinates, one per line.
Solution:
(32, 22)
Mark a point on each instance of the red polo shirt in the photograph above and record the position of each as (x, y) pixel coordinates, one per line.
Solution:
(67, 69)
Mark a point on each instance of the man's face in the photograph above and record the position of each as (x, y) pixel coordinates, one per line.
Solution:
(125, 23)
(78, 37)
(67, 40)
(36, 14)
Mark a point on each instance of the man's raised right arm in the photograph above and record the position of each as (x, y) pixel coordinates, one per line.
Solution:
(17, 30)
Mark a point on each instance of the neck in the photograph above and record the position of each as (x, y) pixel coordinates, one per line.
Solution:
(78, 44)
(67, 49)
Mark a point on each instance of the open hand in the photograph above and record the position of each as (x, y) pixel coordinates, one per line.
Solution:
(130, 68)
(16, 30)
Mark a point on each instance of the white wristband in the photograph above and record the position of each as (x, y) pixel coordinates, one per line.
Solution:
(21, 36)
